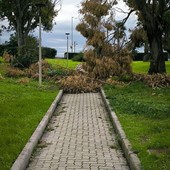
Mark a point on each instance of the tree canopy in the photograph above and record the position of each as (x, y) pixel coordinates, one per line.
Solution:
(155, 18)
(23, 16)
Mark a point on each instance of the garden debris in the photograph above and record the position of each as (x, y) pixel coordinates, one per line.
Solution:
(1, 77)
(32, 71)
(23, 80)
(155, 80)
(79, 83)
(14, 72)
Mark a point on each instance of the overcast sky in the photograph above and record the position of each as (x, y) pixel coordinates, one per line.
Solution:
(67, 16)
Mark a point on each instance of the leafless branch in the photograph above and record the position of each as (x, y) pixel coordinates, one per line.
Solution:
(125, 19)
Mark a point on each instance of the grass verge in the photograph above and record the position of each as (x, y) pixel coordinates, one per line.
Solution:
(143, 67)
(63, 63)
(145, 117)
(22, 107)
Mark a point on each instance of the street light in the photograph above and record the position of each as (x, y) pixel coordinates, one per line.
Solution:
(72, 41)
(67, 34)
(40, 5)
(75, 43)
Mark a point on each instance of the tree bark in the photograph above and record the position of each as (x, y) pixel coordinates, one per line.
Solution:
(157, 63)
(20, 35)
(152, 20)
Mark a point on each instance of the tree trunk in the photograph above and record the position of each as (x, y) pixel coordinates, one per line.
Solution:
(20, 35)
(157, 63)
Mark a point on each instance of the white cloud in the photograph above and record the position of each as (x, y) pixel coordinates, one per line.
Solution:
(57, 38)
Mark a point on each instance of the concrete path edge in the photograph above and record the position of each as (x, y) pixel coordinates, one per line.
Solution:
(22, 161)
(131, 157)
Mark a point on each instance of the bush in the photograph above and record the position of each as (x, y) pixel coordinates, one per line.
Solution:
(49, 52)
(78, 57)
(26, 57)
(9, 49)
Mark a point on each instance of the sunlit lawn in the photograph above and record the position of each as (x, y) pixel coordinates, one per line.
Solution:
(63, 63)
(144, 114)
(22, 107)
(137, 66)
(143, 67)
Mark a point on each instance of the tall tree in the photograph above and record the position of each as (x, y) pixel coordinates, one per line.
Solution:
(154, 16)
(23, 16)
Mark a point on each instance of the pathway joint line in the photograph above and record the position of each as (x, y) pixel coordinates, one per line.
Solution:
(81, 137)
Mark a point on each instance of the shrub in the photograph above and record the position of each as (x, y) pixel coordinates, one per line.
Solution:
(8, 48)
(78, 57)
(48, 52)
(26, 57)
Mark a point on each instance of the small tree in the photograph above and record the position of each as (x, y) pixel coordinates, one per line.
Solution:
(94, 26)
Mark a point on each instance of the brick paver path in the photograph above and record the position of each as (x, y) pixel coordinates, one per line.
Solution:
(79, 136)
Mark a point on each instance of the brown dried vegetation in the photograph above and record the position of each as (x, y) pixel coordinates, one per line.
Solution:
(14, 72)
(154, 81)
(79, 83)
(104, 67)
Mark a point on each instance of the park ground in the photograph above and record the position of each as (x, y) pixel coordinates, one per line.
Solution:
(143, 112)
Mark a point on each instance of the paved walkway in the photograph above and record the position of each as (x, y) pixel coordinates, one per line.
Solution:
(79, 136)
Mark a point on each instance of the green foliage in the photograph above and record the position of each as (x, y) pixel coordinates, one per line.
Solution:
(22, 107)
(25, 57)
(23, 16)
(144, 114)
(59, 72)
(48, 52)
(78, 57)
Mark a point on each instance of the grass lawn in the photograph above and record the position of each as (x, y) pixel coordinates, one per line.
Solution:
(142, 67)
(145, 116)
(63, 62)
(21, 109)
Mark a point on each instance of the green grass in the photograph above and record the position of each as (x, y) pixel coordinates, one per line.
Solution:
(21, 109)
(143, 67)
(2, 66)
(63, 63)
(145, 116)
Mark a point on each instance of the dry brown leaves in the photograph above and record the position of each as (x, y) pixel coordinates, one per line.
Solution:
(79, 83)
(155, 80)
(14, 72)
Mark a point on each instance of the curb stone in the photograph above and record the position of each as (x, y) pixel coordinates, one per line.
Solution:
(23, 159)
(131, 157)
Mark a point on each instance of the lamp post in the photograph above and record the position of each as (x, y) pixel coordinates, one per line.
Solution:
(72, 40)
(67, 34)
(75, 43)
(40, 5)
